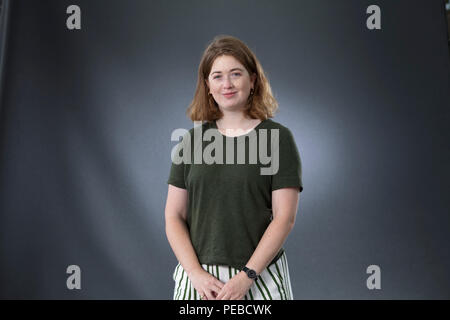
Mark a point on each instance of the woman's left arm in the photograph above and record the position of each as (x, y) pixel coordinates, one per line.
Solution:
(284, 208)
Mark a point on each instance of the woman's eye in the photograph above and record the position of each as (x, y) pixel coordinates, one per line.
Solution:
(234, 74)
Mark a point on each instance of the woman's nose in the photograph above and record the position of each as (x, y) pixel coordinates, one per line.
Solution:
(227, 82)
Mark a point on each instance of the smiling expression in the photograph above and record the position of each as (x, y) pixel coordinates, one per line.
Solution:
(230, 83)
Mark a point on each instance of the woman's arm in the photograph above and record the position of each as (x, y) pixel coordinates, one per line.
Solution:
(284, 207)
(176, 229)
(180, 241)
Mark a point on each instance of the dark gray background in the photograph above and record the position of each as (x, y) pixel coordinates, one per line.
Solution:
(87, 115)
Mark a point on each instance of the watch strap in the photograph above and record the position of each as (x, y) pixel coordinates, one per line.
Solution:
(250, 273)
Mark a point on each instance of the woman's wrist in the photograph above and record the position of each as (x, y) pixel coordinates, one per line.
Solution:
(244, 277)
(195, 269)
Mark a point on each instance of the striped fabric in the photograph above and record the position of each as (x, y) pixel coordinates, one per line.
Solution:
(272, 284)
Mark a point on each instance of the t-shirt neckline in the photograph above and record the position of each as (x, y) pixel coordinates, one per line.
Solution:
(214, 125)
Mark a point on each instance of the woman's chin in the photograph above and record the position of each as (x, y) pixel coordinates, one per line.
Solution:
(230, 107)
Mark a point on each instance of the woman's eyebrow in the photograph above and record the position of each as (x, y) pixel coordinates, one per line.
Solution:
(230, 70)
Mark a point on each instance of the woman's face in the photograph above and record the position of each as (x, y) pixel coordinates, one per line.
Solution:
(228, 75)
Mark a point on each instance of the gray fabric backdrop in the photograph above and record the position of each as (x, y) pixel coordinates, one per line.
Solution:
(86, 119)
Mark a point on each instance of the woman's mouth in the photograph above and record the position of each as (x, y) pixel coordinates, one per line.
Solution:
(229, 95)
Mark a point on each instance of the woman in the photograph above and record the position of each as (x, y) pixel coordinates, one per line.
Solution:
(227, 221)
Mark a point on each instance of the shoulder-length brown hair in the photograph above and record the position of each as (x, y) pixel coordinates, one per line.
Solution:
(260, 105)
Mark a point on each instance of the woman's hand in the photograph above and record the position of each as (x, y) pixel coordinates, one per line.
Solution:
(207, 286)
(236, 287)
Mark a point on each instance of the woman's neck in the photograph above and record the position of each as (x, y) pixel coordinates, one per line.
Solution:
(235, 121)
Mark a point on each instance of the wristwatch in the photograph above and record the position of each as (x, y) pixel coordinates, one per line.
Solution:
(250, 273)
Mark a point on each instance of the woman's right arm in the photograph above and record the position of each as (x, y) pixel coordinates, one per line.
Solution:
(180, 241)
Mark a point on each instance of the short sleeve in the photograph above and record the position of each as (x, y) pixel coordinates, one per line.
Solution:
(177, 169)
(176, 176)
(290, 168)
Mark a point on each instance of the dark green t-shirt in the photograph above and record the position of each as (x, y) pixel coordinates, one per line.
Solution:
(230, 203)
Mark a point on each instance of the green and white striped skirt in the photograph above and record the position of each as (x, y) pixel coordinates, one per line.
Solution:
(272, 284)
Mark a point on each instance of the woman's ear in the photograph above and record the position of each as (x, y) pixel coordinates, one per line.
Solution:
(253, 79)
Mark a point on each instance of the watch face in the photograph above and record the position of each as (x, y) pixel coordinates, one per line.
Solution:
(251, 274)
